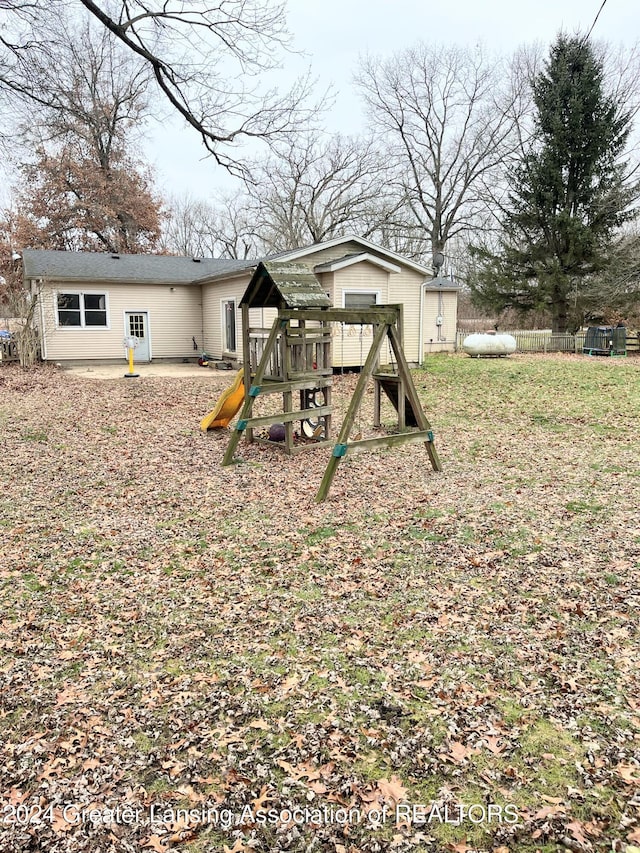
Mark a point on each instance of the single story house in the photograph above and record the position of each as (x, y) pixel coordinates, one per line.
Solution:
(179, 307)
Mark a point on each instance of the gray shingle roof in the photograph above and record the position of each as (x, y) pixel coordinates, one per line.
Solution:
(442, 283)
(144, 269)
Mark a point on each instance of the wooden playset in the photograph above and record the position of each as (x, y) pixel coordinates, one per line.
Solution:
(293, 358)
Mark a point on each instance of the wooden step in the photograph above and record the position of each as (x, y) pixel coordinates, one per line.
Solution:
(390, 385)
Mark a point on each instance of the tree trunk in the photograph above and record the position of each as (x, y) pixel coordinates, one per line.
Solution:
(560, 314)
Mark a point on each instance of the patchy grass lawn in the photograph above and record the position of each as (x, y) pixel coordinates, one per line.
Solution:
(202, 659)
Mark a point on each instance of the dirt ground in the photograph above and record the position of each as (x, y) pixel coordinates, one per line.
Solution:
(155, 369)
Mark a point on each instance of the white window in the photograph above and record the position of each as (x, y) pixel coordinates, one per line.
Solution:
(82, 310)
(360, 298)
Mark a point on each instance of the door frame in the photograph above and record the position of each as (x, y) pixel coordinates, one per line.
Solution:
(223, 325)
(125, 324)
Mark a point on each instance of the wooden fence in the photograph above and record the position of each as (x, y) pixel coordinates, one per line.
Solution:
(546, 341)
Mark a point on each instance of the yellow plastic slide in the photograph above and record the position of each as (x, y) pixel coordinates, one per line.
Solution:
(226, 407)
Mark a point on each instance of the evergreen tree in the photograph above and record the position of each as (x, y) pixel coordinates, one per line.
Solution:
(570, 193)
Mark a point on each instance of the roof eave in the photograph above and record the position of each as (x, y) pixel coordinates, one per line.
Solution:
(56, 279)
(221, 276)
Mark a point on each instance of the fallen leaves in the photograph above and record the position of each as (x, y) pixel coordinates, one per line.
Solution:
(392, 791)
(182, 635)
(458, 752)
(629, 773)
(155, 842)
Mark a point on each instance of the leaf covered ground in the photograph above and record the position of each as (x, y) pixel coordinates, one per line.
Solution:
(200, 658)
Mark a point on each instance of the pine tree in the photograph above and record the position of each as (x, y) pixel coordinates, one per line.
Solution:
(570, 192)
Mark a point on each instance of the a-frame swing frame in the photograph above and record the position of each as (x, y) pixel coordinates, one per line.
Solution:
(385, 320)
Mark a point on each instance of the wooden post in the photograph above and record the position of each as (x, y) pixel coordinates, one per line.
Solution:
(412, 395)
(287, 406)
(269, 347)
(352, 411)
(377, 400)
(402, 419)
(246, 357)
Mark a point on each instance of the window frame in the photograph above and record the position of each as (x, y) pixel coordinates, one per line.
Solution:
(83, 310)
(349, 291)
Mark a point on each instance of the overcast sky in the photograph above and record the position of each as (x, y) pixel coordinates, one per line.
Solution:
(333, 34)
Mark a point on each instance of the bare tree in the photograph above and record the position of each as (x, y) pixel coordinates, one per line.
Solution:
(89, 88)
(313, 189)
(82, 186)
(622, 79)
(209, 61)
(614, 296)
(17, 303)
(204, 229)
(308, 191)
(450, 119)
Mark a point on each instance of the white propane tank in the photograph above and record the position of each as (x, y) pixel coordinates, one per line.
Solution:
(484, 344)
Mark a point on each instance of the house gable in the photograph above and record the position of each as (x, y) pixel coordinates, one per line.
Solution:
(349, 260)
(341, 246)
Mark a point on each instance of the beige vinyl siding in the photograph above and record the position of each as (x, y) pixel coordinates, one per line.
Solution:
(326, 280)
(446, 303)
(404, 289)
(323, 256)
(213, 296)
(174, 318)
(351, 344)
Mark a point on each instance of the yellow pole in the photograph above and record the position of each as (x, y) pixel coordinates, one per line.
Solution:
(130, 374)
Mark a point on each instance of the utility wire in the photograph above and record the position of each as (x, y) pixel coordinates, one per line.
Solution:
(586, 38)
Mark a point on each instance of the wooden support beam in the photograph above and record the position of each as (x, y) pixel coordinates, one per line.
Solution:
(320, 372)
(294, 333)
(298, 448)
(305, 383)
(287, 405)
(353, 316)
(286, 417)
(269, 347)
(395, 440)
(377, 401)
(246, 355)
(412, 395)
(356, 400)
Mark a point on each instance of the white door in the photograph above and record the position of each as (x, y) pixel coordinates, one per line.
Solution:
(137, 323)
